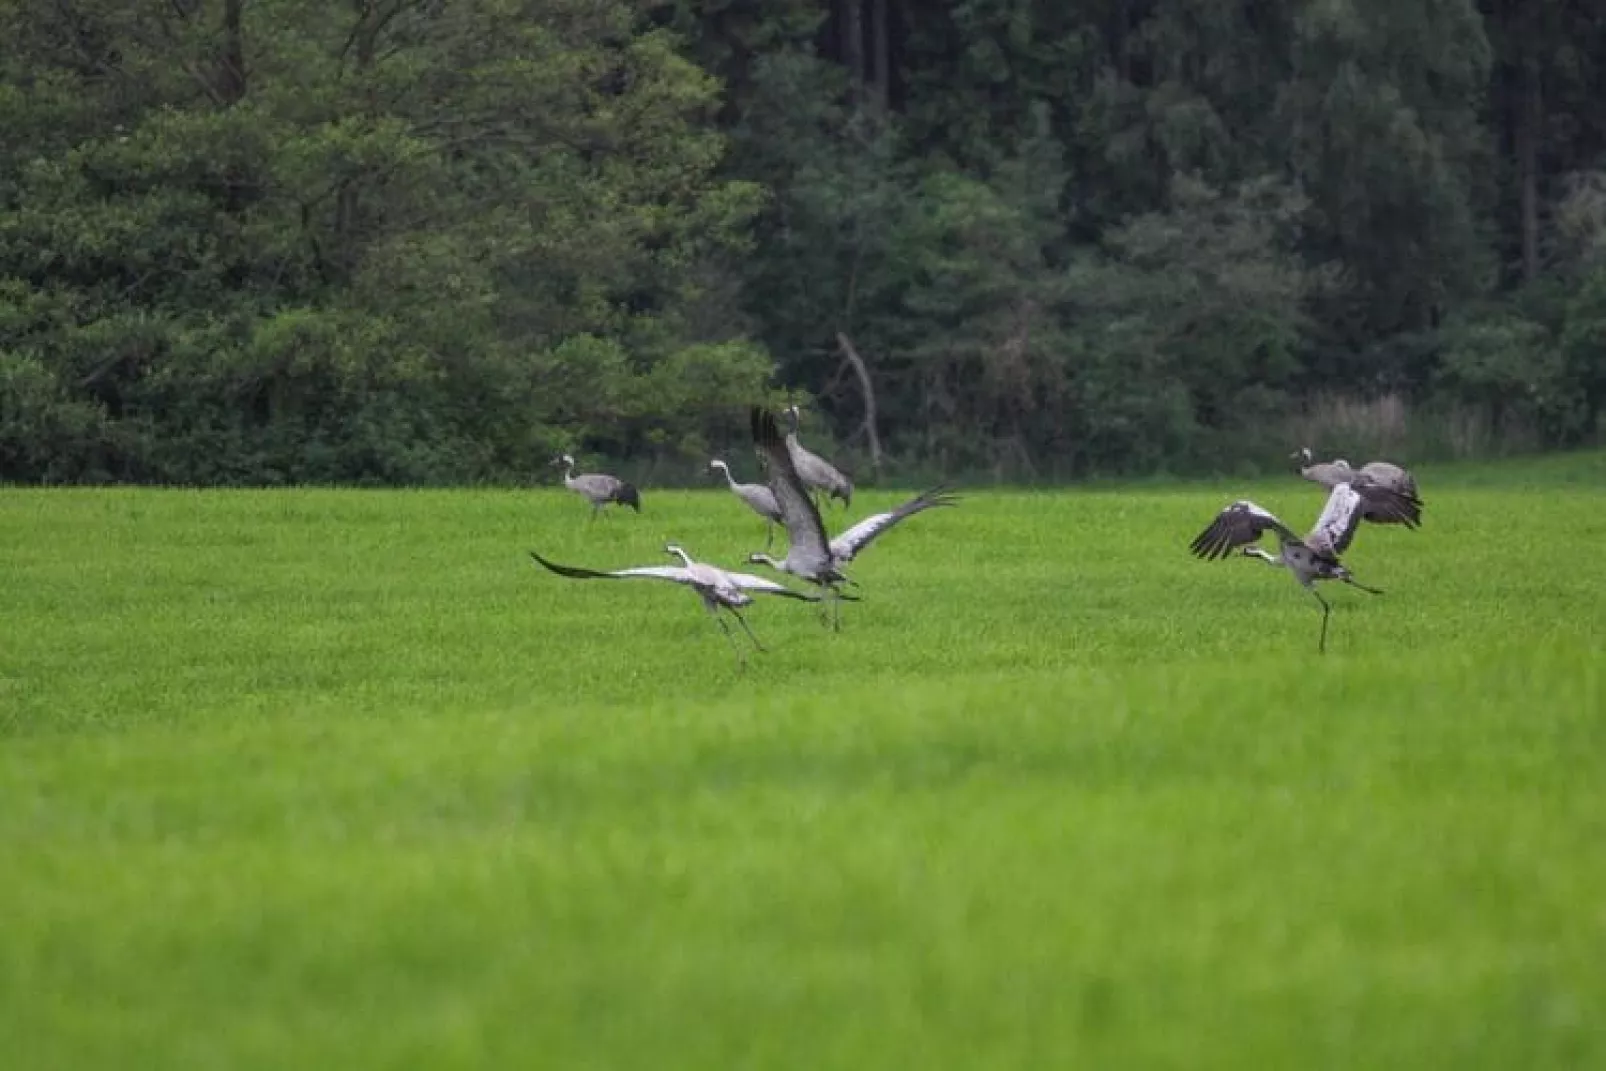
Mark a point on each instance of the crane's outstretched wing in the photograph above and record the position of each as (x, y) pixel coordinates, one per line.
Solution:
(804, 529)
(1348, 503)
(1385, 503)
(1335, 528)
(1238, 525)
(677, 573)
(845, 546)
(1391, 476)
(749, 582)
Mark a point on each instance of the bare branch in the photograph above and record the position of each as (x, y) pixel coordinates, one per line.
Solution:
(851, 355)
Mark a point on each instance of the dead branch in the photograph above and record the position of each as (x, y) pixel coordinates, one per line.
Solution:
(851, 355)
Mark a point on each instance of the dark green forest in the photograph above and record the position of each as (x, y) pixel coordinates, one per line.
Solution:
(438, 241)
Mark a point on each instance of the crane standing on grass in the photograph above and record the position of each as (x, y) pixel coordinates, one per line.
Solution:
(598, 488)
(758, 498)
(1316, 556)
(816, 473)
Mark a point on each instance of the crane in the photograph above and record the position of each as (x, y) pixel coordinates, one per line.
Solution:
(816, 473)
(758, 498)
(598, 488)
(1381, 473)
(810, 556)
(718, 589)
(1312, 558)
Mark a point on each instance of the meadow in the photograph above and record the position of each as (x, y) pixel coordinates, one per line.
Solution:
(334, 778)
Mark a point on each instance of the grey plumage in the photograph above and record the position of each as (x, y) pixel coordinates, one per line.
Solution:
(758, 498)
(598, 488)
(1384, 474)
(1313, 558)
(717, 588)
(810, 556)
(816, 473)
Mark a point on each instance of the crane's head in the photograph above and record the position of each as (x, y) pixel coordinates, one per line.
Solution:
(759, 558)
(1302, 455)
(563, 459)
(675, 550)
(717, 465)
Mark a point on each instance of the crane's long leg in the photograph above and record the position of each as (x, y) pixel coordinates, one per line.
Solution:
(741, 656)
(1257, 552)
(1352, 582)
(743, 622)
(769, 533)
(1321, 644)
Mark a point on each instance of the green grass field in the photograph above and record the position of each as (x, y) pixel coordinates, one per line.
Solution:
(339, 779)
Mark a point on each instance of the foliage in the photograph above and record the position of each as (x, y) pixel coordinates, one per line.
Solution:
(357, 262)
(405, 241)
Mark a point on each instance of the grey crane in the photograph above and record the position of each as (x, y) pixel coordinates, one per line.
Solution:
(1313, 558)
(718, 589)
(816, 473)
(598, 488)
(758, 497)
(810, 556)
(1381, 473)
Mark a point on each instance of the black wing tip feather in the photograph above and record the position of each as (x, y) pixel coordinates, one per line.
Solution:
(627, 495)
(567, 570)
(1386, 505)
(1210, 544)
(765, 431)
(1216, 542)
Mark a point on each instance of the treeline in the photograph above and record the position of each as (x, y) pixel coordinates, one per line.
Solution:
(428, 241)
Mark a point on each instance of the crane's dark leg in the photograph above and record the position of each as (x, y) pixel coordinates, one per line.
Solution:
(1321, 644)
(743, 622)
(741, 656)
(1352, 582)
(769, 534)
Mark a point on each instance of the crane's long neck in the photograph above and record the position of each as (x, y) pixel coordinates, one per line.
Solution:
(726, 469)
(685, 559)
(568, 471)
(765, 559)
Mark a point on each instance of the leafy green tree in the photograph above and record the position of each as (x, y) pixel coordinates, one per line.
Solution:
(277, 240)
(1189, 326)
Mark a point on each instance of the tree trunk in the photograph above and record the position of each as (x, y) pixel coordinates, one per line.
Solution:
(851, 355)
(363, 41)
(1530, 116)
(881, 57)
(853, 43)
(231, 58)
